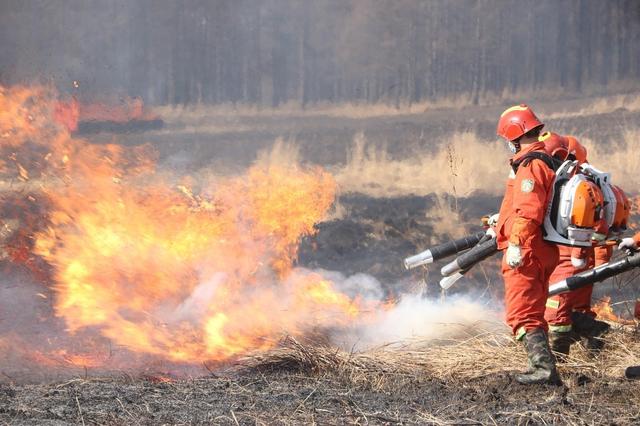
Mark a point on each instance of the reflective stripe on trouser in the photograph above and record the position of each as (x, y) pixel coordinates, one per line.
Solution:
(560, 306)
(560, 328)
(527, 288)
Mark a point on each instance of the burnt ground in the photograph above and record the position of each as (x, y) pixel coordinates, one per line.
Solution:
(302, 397)
(376, 234)
(371, 235)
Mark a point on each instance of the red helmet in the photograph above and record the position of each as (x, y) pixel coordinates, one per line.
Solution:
(577, 149)
(516, 121)
(556, 146)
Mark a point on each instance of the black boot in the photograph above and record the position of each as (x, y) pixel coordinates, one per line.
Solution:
(590, 329)
(632, 372)
(542, 364)
(560, 342)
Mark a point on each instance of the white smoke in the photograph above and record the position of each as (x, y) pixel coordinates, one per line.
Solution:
(414, 319)
(196, 305)
(358, 285)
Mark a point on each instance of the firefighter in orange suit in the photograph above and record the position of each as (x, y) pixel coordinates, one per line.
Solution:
(528, 260)
(569, 315)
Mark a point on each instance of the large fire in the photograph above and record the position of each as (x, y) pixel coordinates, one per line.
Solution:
(183, 272)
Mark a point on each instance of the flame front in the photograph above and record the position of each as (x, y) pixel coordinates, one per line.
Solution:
(160, 268)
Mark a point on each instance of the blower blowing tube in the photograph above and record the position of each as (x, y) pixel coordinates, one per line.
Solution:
(443, 250)
(465, 261)
(595, 275)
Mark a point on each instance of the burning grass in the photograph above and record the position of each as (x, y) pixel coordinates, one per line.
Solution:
(154, 264)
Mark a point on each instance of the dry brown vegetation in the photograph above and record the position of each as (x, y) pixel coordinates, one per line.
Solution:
(460, 167)
(473, 357)
(620, 159)
(467, 165)
(463, 381)
(602, 105)
(198, 113)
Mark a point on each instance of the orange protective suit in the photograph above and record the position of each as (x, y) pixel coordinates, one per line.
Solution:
(527, 195)
(560, 307)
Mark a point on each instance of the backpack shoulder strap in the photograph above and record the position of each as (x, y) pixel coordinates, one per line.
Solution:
(525, 160)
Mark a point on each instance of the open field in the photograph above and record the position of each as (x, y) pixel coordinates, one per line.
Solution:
(406, 181)
(406, 153)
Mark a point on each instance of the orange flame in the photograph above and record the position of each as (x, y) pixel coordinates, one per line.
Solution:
(69, 113)
(164, 269)
(604, 311)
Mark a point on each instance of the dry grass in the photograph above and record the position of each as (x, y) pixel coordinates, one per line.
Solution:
(487, 354)
(283, 153)
(375, 369)
(621, 159)
(463, 166)
(454, 360)
(354, 110)
(357, 110)
(445, 213)
(602, 105)
(466, 165)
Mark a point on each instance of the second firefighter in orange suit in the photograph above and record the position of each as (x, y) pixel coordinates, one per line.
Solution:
(569, 315)
(528, 260)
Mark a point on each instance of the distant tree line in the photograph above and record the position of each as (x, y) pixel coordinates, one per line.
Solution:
(269, 52)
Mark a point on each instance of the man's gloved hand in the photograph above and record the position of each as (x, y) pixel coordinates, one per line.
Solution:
(578, 263)
(493, 220)
(513, 256)
(628, 244)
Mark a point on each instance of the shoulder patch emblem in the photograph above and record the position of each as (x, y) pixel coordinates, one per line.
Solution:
(527, 185)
